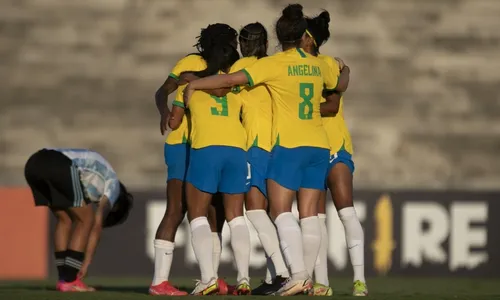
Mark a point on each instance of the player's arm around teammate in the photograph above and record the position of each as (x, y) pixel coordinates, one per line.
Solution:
(341, 166)
(300, 153)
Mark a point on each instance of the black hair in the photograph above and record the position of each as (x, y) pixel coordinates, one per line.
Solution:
(291, 26)
(217, 45)
(121, 209)
(253, 40)
(318, 27)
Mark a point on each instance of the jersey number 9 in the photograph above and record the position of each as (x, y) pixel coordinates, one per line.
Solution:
(222, 110)
(306, 92)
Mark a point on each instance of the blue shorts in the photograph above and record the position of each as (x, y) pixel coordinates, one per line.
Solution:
(218, 169)
(301, 167)
(258, 160)
(343, 157)
(176, 159)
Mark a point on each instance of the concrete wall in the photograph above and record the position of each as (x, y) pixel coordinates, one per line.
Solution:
(423, 105)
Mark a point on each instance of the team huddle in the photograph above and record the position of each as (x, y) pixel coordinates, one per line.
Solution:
(252, 132)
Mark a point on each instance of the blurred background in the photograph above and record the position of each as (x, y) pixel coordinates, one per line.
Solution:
(423, 108)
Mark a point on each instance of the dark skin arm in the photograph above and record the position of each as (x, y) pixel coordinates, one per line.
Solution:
(332, 104)
(176, 116)
(161, 99)
(102, 212)
(331, 107)
(343, 83)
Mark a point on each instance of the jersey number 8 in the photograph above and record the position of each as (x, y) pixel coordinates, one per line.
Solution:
(306, 92)
(222, 111)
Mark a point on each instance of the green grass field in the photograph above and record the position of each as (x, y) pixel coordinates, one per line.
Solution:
(380, 288)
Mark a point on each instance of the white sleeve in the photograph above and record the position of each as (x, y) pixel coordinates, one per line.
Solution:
(112, 188)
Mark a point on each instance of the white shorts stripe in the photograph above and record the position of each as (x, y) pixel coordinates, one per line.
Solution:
(77, 187)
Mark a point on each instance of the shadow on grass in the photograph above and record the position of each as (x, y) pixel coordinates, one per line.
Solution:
(113, 289)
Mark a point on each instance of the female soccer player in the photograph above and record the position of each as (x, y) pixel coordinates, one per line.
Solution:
(68, 181)
(217, 163)
(176, 154)
(257, 120)
(339, 176)
(300, 145)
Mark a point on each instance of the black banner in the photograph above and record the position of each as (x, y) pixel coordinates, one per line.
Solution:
(406, 233)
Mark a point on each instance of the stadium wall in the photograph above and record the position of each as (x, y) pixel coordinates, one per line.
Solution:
(423, 104)
(407, 233)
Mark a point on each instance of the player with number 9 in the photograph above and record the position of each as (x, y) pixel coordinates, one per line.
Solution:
(176, 152)
(217, 163)
(300, 145)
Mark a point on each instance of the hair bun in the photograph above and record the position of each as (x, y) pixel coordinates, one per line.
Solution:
(293, 12)
(325, 17)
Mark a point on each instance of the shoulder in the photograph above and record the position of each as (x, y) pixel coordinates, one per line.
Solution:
(191, 58)
(188, 63)
(328, 60)
(243, 63)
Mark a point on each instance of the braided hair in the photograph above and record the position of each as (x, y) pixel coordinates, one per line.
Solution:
(253, 40)
(217, 45)
(318, 29)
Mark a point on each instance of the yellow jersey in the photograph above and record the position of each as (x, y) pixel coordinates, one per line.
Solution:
(192, 62)
(336, 129)
(296, 81)
(257, 109)
(215, 121)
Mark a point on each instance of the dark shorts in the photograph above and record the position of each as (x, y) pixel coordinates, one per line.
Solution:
(54, 180)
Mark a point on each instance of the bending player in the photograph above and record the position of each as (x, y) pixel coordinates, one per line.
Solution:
(257, 120)
(176, 154)
(217, 164)
(341, 168)
(68, 181)
(300, 152)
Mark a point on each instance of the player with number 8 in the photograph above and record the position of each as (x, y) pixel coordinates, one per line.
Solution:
(300, 153)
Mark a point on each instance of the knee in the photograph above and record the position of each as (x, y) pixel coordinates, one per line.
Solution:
(64, 220)
(83, 216)
(233, 211)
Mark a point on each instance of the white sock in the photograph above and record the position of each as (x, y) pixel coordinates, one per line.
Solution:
(217, 244)
(240, 243)
(270, 270)
(321, 268)
(311, 240)
(269, 239)
(164, 252)
(201, 238)
(290, 239)
(355, 241)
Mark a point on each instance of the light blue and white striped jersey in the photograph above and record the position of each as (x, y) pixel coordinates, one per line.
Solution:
(96, 174)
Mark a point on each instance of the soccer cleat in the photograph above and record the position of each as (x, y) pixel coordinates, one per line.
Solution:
(231, 289)
(205, 289)
(223, 287)
(322, 290)
(165, 289)
(359, 288)
(266, 289)
(296, 287)
(243, 288)
(75, 286)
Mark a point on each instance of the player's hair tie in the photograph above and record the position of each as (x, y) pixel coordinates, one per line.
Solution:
(311, 36)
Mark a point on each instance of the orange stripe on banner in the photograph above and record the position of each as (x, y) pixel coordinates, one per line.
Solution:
(23, 236)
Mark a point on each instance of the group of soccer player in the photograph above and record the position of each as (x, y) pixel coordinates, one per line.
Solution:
(255, 132)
